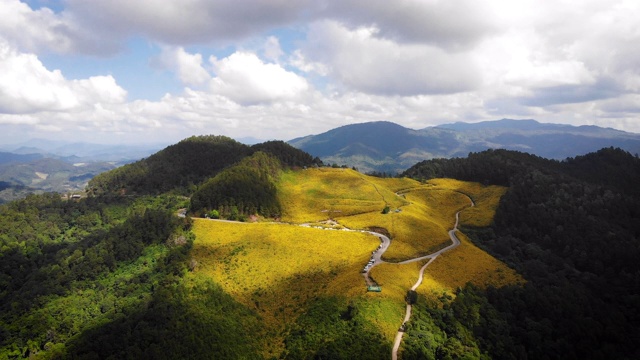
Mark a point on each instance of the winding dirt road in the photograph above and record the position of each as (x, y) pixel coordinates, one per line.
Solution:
(455, 243)
(376, 259)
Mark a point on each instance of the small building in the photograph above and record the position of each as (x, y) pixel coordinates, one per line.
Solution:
(374, 288)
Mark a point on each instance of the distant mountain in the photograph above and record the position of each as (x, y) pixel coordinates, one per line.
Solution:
(551, 141)
(83, 151)
(7, 157)
(18, 179)
(39, 165)
(376, 146)
(388, 147)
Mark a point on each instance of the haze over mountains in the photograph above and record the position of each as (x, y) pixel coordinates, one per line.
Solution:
(43, 165)
(79, 151)
(389, 147)
(38, 165)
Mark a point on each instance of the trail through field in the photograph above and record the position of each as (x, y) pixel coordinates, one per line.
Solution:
(455, 243)
(376, 259)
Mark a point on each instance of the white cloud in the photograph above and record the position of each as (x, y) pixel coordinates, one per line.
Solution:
(26, 86)
(364, 62)
(415, 62)
(519, 61)
(42, 30)
(300, 62)
(188, 67)
(98, 90)
(245, 79)
(272, 49)
(31, 30)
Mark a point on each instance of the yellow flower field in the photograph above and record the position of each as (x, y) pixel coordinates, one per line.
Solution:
(313, 195)
(278, 269)
(468, 263)
(486, 199)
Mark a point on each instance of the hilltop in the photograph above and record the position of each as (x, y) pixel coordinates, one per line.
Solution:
(388, 147)
(183, 166)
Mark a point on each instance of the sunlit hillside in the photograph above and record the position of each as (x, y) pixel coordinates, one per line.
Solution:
(281, 270)
(318, 194)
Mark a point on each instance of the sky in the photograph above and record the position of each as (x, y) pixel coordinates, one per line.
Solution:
(158, 71)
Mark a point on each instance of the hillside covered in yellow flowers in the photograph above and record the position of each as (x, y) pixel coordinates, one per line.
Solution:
(282, 270)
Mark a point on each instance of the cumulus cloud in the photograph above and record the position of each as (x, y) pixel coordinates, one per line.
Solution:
(246, 79)
(188, 67)
(451, 24)
(44, 30)
(307, 66)
(364, 62)
(30, 29)
(186, 22)
(27, 86)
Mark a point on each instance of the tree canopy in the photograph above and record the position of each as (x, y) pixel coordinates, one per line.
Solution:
(572, 229)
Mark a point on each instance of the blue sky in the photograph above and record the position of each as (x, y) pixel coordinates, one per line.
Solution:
(149, 71)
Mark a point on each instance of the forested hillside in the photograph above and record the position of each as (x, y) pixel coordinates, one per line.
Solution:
(183, 166)
(572, 229)
(178, 166)
(105, 276)
(69, 268)
(245, 189)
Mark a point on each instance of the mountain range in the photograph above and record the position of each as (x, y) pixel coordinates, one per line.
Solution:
(40, 165)
(388, 147)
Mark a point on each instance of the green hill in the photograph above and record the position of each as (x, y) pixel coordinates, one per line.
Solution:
(183, 166)
(178, 166)
(125, 276)
(247, 188)
(571, 228)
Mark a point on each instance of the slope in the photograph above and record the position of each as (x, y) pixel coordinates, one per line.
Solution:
(317, 278)
(571, 228)
(183, 166)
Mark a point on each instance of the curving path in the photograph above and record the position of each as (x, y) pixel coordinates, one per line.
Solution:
(376, 258)
(455, 243)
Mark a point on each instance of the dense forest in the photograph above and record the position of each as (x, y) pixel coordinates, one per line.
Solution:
(70, 266)
(572, 229)
(244, 189)
(181, 167)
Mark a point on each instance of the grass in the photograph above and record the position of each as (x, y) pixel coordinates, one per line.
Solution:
(467, 263)
(486, 199)
(314, 195)
(279, 269)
